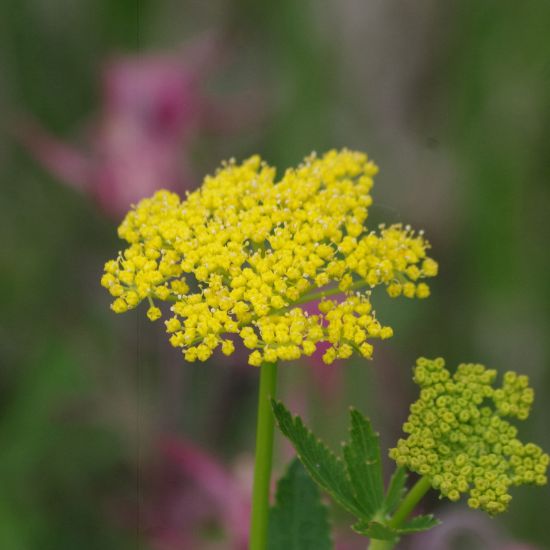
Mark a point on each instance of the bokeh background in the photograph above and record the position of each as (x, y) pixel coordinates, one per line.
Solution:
(107, 438)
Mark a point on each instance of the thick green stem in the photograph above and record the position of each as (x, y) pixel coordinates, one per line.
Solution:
(419, 489)
(376, 544)
(264, 455)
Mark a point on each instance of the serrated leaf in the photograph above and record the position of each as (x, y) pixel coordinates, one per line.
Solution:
(299, 520)
(363, 463)
(396, 490)
(375, 530)
(419, 523)
(322, 464)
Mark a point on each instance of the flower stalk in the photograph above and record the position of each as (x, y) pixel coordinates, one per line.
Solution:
(419, 489)
(263, 459)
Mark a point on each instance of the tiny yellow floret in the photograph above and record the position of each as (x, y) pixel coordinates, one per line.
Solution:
(154, 313)
(228, 347)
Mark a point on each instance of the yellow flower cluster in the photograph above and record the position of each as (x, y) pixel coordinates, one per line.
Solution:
(462, 443)
(243, 252)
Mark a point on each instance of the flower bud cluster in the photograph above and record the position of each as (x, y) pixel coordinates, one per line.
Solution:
(459, 439)
(237, 257)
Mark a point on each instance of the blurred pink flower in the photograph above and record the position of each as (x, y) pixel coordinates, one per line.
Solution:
(456, 525)
(152, 107)
(191, 493)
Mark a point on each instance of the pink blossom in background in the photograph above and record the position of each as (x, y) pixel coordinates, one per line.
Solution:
(151, 109)
(465, 523)
(190, 492)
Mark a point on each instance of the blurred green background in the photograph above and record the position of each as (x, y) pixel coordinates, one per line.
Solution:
(452, 100)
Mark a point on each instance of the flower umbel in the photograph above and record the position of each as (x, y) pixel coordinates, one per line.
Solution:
(458, 437)
(240, 255)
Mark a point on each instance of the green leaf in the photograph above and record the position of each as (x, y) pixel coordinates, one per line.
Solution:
(299, 520)
(396, 491)
(363, 463)
(418, 523)
(375, 530)
(321, 463)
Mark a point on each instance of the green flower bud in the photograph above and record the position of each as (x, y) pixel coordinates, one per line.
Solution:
(459, 437)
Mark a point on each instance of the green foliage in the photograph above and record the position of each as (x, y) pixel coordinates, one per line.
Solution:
(356, 482)
(322, 464)
(55, 468)
(299, 520)
(396, 490)
(382, 531)
(362, 457)
(375, 530)
(418, 523)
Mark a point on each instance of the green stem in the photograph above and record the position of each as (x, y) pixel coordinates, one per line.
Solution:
(264, 455)
(306, 298)
(376, 544)
(419, 489)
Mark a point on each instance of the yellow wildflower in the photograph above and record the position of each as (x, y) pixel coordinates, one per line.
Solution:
(241, 254)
